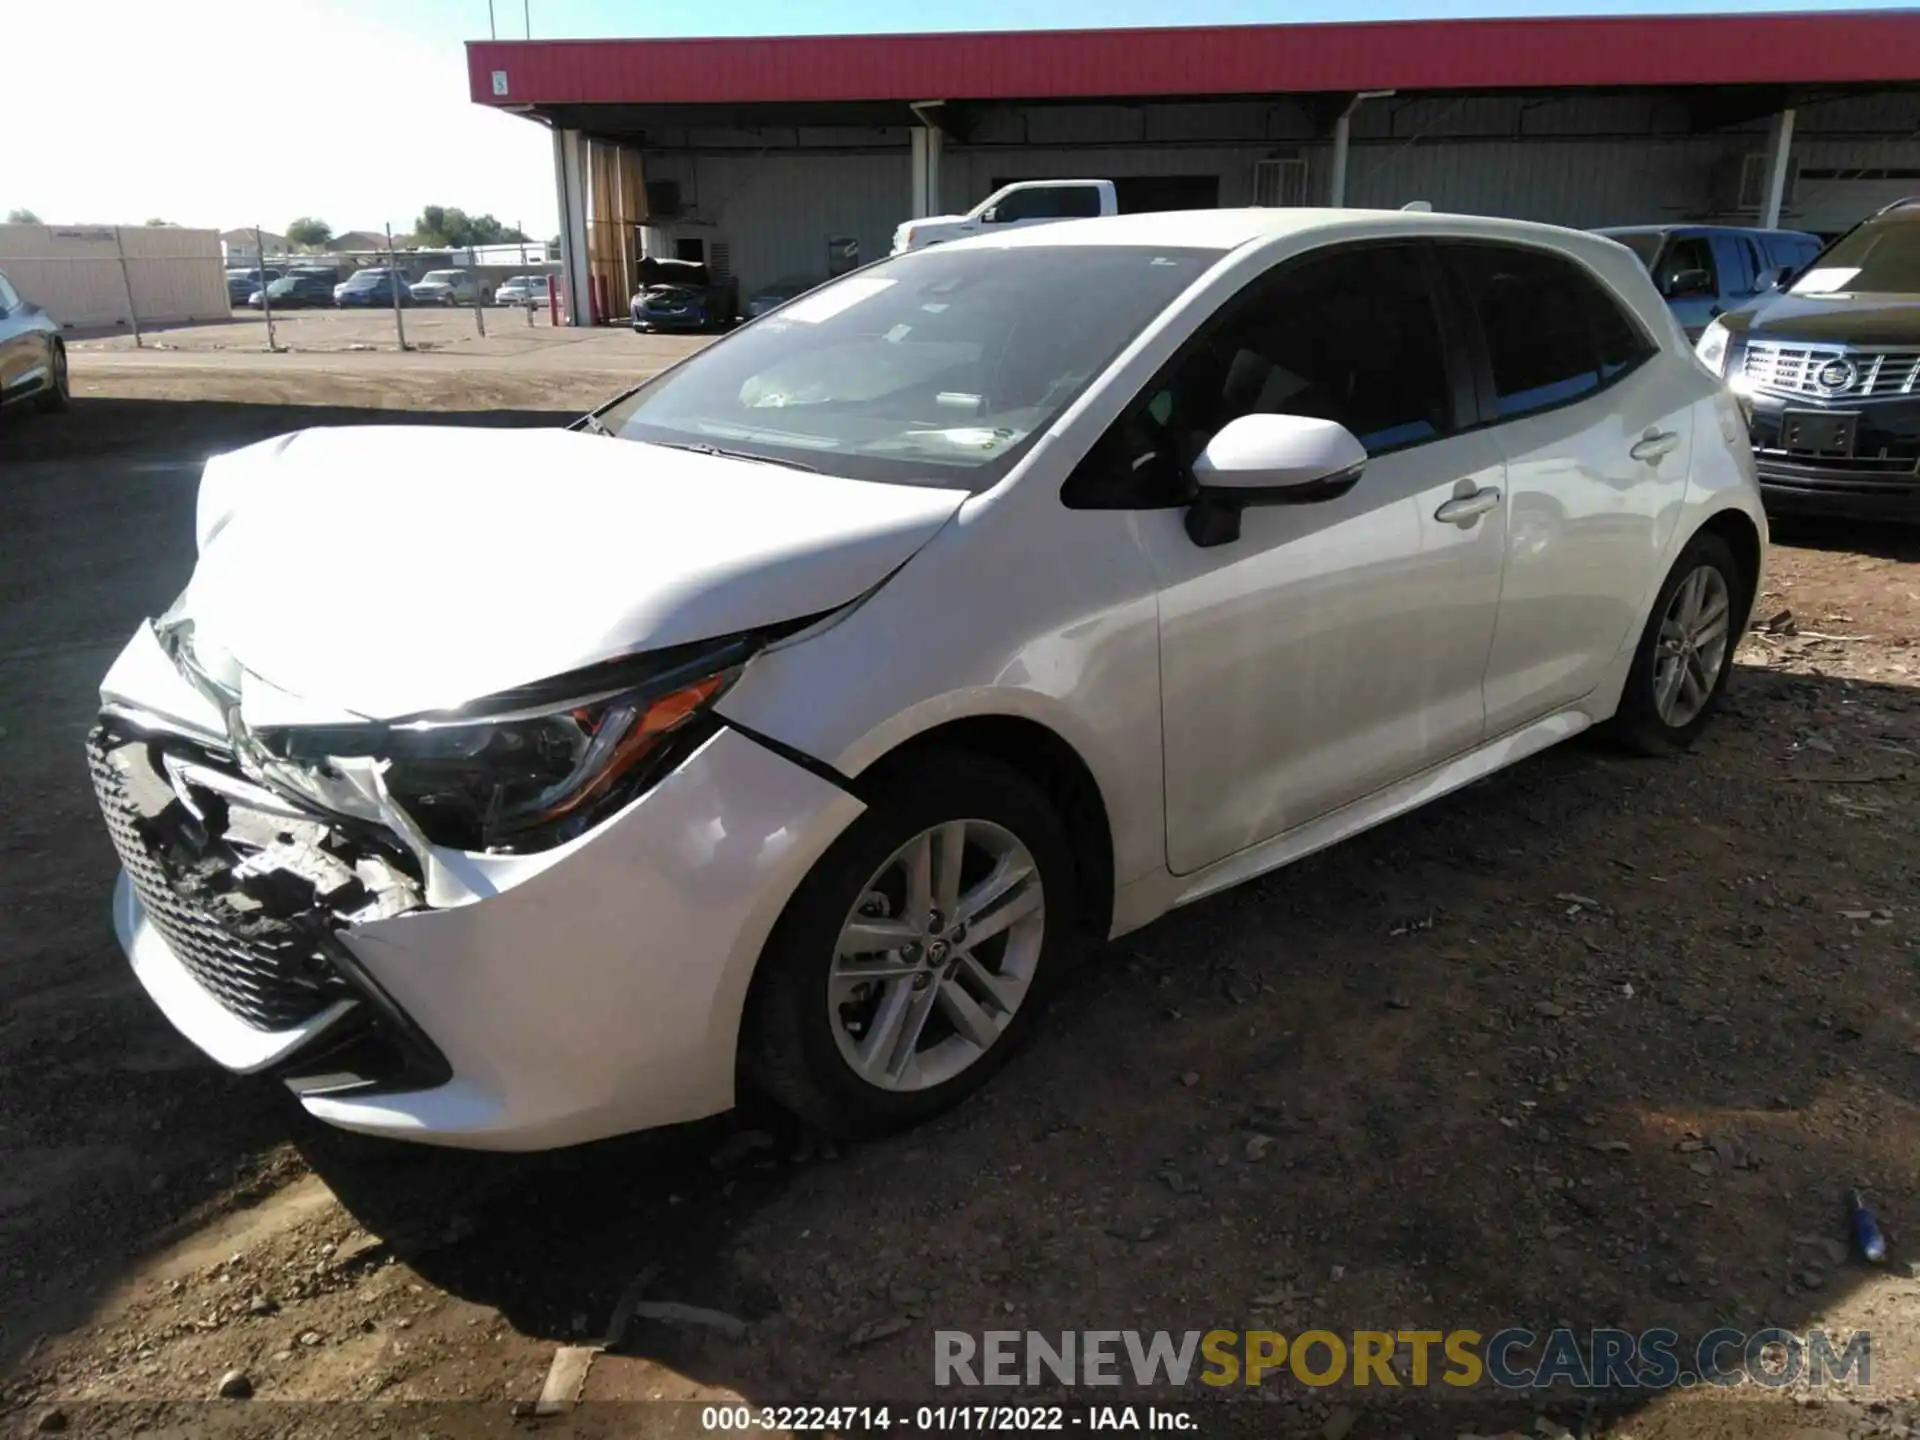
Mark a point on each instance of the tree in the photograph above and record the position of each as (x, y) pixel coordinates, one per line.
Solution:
(449, 225)
(159, 224)
(310, 230)
(22, 216)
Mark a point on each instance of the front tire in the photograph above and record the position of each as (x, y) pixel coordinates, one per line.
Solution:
(914, 958)
(1681, 667)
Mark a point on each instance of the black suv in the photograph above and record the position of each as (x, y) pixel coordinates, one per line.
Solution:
(1830, 371)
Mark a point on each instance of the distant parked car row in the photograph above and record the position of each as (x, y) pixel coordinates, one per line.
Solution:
(301, 286)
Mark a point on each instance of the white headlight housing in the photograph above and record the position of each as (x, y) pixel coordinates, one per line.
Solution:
(1712, 346)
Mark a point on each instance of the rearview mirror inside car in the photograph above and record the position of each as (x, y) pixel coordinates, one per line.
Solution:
(1269, 460)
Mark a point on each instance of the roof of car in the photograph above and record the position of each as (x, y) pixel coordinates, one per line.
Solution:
(1229, 229)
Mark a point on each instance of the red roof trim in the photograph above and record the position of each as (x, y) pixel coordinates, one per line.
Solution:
(1808, 49)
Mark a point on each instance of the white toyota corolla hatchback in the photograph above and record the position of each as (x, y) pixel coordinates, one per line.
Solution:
(791, 719)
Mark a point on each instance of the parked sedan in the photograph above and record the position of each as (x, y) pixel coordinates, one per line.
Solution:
(33, 357)
(293, 292)
(779, 292)
(964, 612)
(242, 283)
(371, 287)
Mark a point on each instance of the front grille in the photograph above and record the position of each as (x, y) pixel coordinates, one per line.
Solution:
(274, 981)
(1812, 370)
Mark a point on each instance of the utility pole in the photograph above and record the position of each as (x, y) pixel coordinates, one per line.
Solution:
(526, 15)
(126, 279)
(393, 284)
(473, 273)
(266, 300)
(492, 34)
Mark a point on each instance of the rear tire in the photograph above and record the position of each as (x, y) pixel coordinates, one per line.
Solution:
(1685, 656)
(860, 1042)
(58, 395)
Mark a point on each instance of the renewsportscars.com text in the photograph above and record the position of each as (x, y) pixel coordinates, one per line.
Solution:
(1511, 1359)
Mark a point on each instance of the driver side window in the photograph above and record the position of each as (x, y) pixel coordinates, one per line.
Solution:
(1349, 335)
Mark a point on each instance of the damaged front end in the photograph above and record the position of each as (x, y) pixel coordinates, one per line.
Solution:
(250, 891)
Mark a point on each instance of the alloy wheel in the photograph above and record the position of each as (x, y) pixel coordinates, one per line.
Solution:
(937, 956)
(1692, 648)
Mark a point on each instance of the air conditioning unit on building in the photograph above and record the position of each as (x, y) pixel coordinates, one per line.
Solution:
(1740, 184)
(1281, 180)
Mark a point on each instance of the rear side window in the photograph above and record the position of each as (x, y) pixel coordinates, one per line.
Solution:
(1553, 334)
(8, 298)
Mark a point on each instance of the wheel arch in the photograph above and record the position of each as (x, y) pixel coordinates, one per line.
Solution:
(1742, 536)
(1046, 758)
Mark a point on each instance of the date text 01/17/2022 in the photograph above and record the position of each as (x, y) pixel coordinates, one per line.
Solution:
(942, 1419)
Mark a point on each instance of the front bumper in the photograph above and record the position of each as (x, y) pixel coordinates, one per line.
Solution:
(567, 996)
(671, 320)
(1879, 480)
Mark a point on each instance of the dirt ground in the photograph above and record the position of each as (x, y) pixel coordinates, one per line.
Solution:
(1597, 1041)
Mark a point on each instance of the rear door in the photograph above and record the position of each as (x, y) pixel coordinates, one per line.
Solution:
(1597, 441)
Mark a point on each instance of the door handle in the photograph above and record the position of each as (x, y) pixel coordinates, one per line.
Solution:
(1468, 508)
(1654, 446)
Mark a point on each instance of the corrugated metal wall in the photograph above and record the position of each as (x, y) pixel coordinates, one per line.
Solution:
(1583, 160)
(778, 212)
(73, 272)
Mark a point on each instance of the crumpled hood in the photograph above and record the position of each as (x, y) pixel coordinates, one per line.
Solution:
(390, 570)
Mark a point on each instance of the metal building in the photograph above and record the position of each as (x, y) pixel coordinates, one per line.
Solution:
(763, 157)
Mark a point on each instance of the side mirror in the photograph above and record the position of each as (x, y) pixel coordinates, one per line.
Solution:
(1269, 460)
(1685, 284)
(1782, 278)
(990, 215)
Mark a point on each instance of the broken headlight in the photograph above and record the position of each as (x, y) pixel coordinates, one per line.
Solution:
(529, 782)
(534, 768)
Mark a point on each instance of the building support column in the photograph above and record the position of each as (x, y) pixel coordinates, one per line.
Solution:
(1342, 141)
(570, 185)
(926, 139)
(1779, 151)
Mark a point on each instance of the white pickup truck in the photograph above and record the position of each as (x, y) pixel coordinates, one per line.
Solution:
(1029, 202)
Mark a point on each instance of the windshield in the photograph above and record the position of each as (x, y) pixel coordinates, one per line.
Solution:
(936, 361)
(367, 279)
(443, 277)
(1880, 257)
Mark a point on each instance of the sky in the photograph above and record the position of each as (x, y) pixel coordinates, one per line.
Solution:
(356, 111)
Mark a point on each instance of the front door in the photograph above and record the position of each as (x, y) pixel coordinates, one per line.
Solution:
(1335, 647)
